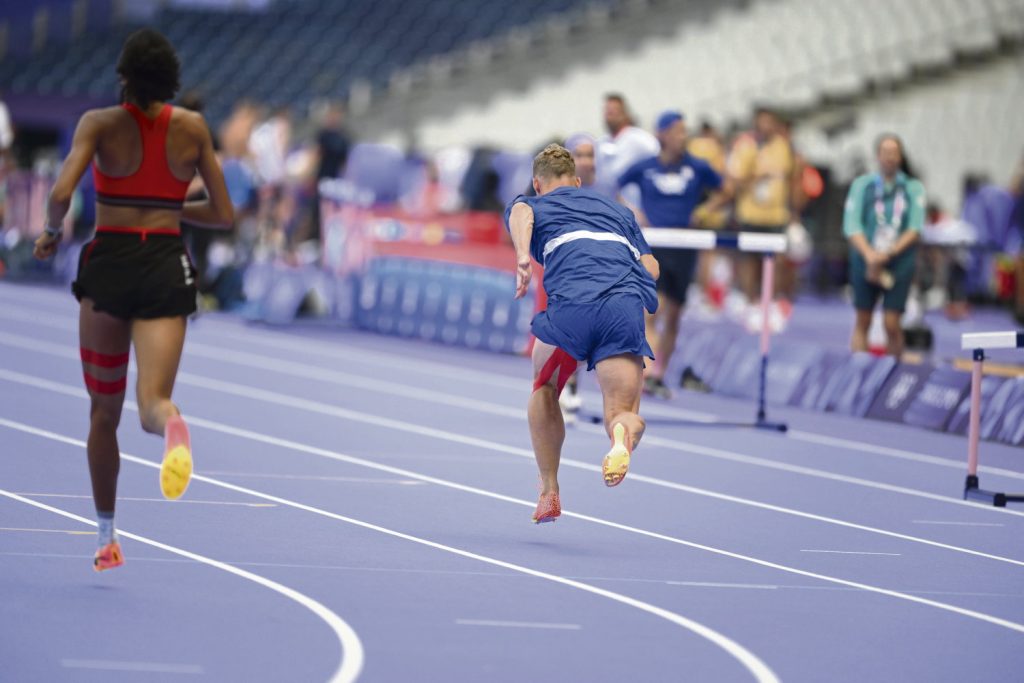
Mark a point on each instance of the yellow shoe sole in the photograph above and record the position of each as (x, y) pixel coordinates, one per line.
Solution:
(616, 463)
(175, 472)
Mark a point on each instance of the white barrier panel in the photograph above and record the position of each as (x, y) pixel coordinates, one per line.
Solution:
(992, 340)
(687, 238)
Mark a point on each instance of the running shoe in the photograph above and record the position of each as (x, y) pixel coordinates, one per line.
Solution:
(691, 381)
(616, 463)
(570, 400)
(176, 469)
(655, 386)
(549, 507)
(108, 557)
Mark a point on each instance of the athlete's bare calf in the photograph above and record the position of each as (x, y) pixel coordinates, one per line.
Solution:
(621, 381)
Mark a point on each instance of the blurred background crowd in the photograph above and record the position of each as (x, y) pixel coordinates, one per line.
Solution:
(436, 109)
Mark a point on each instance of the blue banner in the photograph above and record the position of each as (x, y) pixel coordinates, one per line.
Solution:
(959, 421)
(851, 390)
(938, 399)
(898, 392)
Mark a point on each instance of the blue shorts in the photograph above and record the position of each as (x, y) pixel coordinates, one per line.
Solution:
(596, 330)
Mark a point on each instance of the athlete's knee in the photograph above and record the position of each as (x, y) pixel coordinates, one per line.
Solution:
(555, 372)
(104, 415)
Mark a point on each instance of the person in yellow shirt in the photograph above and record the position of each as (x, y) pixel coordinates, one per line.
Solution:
(762, 167)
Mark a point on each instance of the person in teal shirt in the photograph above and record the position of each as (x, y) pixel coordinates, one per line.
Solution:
(883, 219)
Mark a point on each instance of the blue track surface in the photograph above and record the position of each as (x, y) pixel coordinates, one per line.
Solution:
(363, 503)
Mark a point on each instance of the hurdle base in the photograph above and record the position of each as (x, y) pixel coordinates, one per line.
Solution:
(972, 491)
(772, 426)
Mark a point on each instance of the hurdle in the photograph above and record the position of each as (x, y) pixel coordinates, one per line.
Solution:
(977, 343)
(765, 244)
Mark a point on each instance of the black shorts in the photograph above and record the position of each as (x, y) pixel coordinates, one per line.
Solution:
(676, 266)
(136, 276)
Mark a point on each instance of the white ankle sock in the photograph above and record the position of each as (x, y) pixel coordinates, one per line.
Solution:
(106, 534)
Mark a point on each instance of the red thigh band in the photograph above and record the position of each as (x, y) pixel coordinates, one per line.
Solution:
(103, 360)
(561, 361)
(98, 386)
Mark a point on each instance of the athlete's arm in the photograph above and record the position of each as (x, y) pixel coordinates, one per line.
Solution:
(520, 226)
(83, 147)
(651, 264)
(216, 210)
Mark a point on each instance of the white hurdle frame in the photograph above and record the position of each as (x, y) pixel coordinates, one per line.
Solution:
(765, 244)
(977, 343)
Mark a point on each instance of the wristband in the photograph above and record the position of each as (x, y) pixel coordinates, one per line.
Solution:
(54, 232)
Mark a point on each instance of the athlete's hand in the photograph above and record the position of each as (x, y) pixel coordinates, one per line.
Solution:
(45, 246)
(524, 271)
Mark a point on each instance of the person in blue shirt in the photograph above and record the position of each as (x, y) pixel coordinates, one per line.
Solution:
(672, 185)
(599, 275)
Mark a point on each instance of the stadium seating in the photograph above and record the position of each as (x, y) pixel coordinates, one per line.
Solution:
(294, 52)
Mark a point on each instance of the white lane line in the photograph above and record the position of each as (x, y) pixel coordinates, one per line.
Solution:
(255, 393)
(148, 500)
(946, 523)
(48, 531)
(137, 667)
(513, 575)
(750, 661)
(716, 584)
(519, 624)
(523, 453)
(264, 438)
(313, 477)
(851, 552)
(302, 347)
(351, 663)
(898, 453)
(596, 520)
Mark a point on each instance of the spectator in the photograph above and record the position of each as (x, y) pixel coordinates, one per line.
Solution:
(671, 184)
(269, 144)
(624, 145)
(883, 219)
(582, 148)
(761, 166)
(333, 144)
(6, 142)
(6, 130)
(708, 145)
(1017, 190)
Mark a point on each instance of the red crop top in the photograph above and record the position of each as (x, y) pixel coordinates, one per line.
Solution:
(152, 185)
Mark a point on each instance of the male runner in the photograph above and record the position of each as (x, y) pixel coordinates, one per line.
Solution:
(600, 277)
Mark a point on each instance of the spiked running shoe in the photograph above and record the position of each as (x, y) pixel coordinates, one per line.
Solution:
(176, 469)
(108, 557)
(549, 507)
(616, 463)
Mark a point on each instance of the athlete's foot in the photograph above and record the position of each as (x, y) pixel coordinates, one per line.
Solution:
(655, 386)
(616, 463)
(691, 381)
(108, 557)
(549, 508)
(176, 470)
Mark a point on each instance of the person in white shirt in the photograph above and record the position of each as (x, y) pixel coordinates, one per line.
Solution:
(624, 145)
